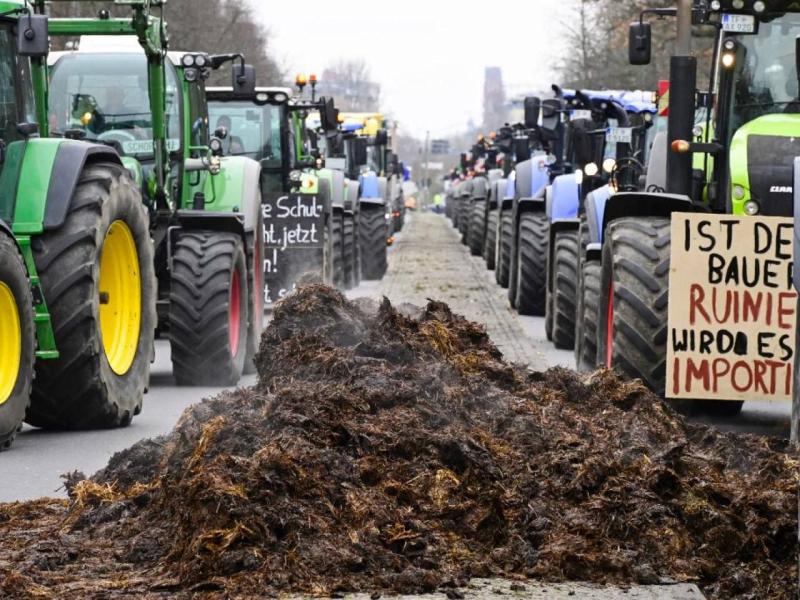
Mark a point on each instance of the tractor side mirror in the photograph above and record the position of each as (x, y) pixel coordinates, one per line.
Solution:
(532, 107)
(640, 42)
(32, 36)
(327, 115)
(381, 137)
(243, 79)
(360, 151)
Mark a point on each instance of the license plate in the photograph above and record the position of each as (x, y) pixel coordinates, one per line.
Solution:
(130, 147)
(578, 115)
(739, 23)
(619, 135)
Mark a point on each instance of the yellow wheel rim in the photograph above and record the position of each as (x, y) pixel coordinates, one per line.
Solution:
(120, 297)
(10, 342)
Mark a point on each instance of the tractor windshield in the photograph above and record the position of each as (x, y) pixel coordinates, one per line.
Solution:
(250, 130)
(766, 76)
(106, 96)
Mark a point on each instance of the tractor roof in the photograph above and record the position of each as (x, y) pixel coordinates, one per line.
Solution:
(11, 5)
(113, 44)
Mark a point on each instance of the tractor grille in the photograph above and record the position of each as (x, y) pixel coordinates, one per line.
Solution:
(769, 165)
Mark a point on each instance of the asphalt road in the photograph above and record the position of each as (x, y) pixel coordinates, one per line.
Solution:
(36, 461)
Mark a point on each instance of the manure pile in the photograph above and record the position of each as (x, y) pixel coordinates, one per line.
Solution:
(395, 452)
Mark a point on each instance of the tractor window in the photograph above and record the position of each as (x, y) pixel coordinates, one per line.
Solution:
(252, 130)
(106, 96)
(198, 118)
(16, 89)
(766, 75)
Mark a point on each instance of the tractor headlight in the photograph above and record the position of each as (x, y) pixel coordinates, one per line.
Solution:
(200, 61)
(280, 97)
(296, 176)
(609, 164)
(728, 59)
(751, 208)
(738, 192)
(759, 6)
(215, 145)
(591, 169)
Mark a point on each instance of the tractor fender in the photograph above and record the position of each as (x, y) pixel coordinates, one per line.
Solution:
(480, 188)
(351, 195)
(564, 198)
(556, 226)
(236, 189)
(370, 186)
(531, 177)
(511, 189)
(337, 188)
(70, 159)
(595, 206)
(644, 204)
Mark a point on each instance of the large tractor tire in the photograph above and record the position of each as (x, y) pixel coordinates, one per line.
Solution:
(531, 264)
(587, 316)
(463, 219)
(372, 230)
(17, 341)
(504, 247)
(255, 270)
(490, 244)
(564, 293)
(634, 286)
(98, 277)
(456, 212)
(337, 250)
(477, 228)
(349, 252)
(208, 312)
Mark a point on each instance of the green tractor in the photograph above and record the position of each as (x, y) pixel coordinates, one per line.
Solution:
(304, 203)
(740, 163)
(123, 90)
(77, 282)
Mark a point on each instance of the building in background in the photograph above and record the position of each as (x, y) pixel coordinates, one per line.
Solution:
(494, 98)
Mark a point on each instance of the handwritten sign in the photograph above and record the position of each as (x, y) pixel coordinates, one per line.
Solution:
(294, 238)
(731, 330)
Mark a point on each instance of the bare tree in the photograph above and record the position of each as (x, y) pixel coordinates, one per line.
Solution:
(597, 36)
(350, 82)
(228, 26)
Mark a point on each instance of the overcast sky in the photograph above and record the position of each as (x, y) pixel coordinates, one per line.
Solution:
(428, 55)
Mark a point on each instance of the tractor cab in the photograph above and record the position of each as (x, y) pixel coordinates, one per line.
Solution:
(255, 125)
(758, 114)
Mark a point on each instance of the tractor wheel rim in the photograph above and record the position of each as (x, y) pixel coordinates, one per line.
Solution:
(10, 343)
(610, 325)
(120, 297)
(234, 313)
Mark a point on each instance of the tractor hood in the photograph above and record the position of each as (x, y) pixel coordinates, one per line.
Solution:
(762, 156)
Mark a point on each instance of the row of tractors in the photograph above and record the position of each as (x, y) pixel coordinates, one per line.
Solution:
(572, 207)
(137, 202)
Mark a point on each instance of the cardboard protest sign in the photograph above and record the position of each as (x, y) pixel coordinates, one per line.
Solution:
(731, 330)
(294, 242)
